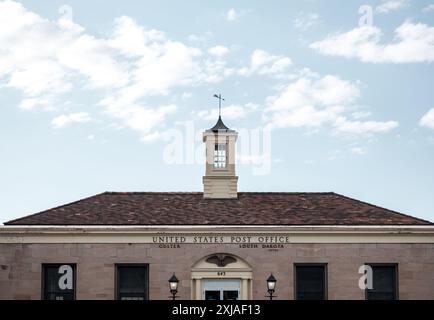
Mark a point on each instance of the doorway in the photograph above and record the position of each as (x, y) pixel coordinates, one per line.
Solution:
(221, 276)
(221, 289)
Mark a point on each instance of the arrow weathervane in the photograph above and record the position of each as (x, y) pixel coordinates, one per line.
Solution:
(219, 96)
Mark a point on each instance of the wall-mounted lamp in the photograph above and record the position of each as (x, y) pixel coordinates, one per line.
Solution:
(173, 284)
(271, 286)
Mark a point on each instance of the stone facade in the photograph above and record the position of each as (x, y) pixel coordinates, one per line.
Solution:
(220, 187)
(20, 267)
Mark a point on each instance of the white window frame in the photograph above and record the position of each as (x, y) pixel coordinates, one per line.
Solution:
(220, 156)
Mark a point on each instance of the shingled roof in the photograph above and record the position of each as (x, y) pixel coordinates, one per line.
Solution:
(190, 208)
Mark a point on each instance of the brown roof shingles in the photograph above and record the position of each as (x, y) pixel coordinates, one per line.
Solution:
(190, 208)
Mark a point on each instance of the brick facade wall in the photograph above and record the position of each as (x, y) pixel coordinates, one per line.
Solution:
(20, 267)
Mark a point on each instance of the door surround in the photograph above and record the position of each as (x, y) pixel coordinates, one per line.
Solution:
(221, 266)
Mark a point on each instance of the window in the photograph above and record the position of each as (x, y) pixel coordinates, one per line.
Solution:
(132, 281)
(385, 282)
(220, 155)
(58, 281)
(310, 281)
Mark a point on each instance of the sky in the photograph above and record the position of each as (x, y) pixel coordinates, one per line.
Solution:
(114, 96)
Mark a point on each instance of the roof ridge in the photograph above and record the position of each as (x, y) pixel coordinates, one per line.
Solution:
(290, 192)
(201, 192)
(130, 192)
(383, 208)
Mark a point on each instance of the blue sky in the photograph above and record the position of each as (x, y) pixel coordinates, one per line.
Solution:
(94, 95)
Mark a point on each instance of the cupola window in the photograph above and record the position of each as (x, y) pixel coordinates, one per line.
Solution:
(220, 155)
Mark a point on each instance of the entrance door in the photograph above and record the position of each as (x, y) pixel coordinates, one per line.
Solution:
(221, 289)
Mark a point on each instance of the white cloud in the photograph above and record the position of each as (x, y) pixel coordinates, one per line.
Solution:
(391, 5)
(413, 43)
(306, 20)
(45, 59)
(154, 136)
(186, 95)
(264, 63)
(32, 103)
(361, 114)
(203, 37)
(428, 119)
(310, 102)
(136, 116)
(358, 151)
(132, 39)
(37, 77)
(42, 57)
(326, 91)
(428, 8)
(231, 112)
(218, 51)
(67, 119)
(37, 53)
(160, 65)
(314, 101)
(95, 59)
(231, 15)
(216, 70)
(364, 127)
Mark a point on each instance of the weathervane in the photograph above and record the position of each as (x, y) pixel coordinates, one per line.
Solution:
(219, 96)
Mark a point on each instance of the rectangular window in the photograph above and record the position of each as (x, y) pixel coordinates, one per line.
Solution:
(220, 155)
(132, 281)
(310, 281)
(385, 282)
(58, 281)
